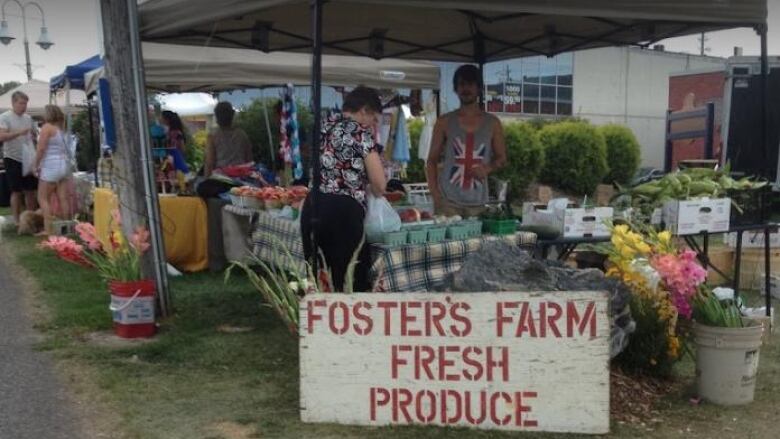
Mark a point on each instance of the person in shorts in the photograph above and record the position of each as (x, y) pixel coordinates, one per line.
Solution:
(17, 131)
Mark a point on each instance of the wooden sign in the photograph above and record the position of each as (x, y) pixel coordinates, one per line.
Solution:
(508, 361)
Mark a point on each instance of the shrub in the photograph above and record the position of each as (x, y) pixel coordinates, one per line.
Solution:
(623, 153)
(195, 153)
(575, 157)
(525, 158)
(88, 150)
(415, 169)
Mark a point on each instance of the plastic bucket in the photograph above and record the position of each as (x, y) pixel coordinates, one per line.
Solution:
(132, 308)
(727, 362)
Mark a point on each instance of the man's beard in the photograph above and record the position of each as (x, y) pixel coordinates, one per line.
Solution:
(467, 100)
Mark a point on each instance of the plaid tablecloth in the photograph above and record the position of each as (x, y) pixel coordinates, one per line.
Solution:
(413, 267)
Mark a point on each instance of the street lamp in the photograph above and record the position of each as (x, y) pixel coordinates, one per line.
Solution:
(43, 41)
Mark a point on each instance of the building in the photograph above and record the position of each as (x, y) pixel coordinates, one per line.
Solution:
(624, 85)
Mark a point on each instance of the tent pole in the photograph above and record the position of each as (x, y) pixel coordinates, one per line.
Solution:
(92, 148)
(270, 137)
(150, 187)
(316, 96)
(767, 171)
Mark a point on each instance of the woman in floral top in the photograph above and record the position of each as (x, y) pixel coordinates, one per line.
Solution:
(349, 162)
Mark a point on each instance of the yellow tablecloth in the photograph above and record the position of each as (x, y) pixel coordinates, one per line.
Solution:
(184, 224)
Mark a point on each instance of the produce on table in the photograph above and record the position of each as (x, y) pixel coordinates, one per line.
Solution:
(410, 215)
(687, 184)
(275, 196)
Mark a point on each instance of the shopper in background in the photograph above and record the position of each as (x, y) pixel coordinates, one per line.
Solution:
(17, 132)
(226, 145)
(175, 137)
(53, 166)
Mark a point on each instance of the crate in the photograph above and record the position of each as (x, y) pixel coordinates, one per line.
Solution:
(395, 238)
(499, 227)
(474, 227)
(437, 234)
(458, 231)
(417, 236)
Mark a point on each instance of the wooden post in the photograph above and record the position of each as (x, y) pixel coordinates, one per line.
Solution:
(132, 168)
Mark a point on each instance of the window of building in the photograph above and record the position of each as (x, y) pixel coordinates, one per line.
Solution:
(530, 86)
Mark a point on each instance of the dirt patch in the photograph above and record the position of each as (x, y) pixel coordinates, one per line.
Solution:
(96, 415)
(633, 398)
(107, 339)
(233, 430)
(229, 329)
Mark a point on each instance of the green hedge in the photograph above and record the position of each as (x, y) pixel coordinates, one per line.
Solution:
(415, 169)
(575, 157)
(623, 153)
(525, 158)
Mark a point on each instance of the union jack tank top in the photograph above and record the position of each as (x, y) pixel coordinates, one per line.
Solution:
(462, 151)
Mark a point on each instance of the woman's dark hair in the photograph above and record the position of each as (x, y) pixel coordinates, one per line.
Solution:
(224, 112)
(468, 73)
(362, 97)
(173, 120)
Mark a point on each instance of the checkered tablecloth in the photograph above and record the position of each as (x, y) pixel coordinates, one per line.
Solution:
(421, 267)
(413, 267)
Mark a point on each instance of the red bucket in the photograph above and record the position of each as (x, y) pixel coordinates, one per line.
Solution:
(132, 308)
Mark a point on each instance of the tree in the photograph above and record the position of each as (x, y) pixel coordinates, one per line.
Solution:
(10, 85)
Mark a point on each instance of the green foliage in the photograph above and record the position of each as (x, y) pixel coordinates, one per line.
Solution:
(88, 151)
(195, 153)
(525, 158)
(252, 120)
(7, 86)
(648, 346)
(415, 169)
(623, 153)
(575, 157)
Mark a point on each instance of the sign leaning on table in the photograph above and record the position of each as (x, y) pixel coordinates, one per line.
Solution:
(507, 361)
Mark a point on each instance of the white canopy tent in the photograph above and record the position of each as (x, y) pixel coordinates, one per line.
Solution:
(180, 68)
(38, 92)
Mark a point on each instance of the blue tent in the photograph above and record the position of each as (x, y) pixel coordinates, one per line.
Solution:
(74, 75)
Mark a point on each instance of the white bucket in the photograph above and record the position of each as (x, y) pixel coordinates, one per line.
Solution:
(727, 363)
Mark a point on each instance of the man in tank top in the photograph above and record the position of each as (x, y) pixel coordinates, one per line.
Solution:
(467, 146)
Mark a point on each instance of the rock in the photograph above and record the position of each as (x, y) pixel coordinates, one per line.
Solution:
(500, 266)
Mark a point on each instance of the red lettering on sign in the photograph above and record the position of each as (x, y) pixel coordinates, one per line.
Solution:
(501, 318)
(423, 363)
(374, 402)
(444, 363)
(387, 307)
(455, 418)
(396, 360)
(463, 319)
(423, 417)
(494, 409)
(402, 405)
(311, 317)
(573, 319)
(473, 363)
(341, 306)
(502, 364)
(482, 408)
(553, 318)
(520, 409)
(407, 317)
(526, 321)
(435, 312)
(368, 324)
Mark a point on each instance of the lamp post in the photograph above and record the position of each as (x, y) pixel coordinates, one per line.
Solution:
(43, 41)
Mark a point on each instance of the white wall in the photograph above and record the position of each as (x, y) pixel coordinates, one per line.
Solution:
(630, 86)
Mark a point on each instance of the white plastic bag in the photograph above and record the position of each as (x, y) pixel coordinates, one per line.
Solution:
(28, 159)
(380, 217)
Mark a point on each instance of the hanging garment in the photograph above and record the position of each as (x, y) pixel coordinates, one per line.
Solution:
(401, 145)
(290, 144)
(426, 136)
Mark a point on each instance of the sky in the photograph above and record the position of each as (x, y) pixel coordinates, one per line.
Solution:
(73, 26)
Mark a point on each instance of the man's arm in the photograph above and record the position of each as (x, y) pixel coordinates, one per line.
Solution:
(434, 156)
(210, 162)
(6, 134)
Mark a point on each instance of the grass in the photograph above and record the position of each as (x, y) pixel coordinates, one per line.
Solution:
(194, 381)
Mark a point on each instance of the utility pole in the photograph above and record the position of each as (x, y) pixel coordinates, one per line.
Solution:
(136, 188)
(703, 49)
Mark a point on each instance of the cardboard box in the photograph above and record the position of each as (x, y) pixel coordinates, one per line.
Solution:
(752, 239)
(573, 222)
(689, 217)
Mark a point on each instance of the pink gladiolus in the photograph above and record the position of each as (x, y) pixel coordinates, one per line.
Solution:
(88, 234)
(66, 249)
(682, 275)
(140, 239)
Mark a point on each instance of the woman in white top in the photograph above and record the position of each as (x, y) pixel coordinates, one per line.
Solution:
(52, 164)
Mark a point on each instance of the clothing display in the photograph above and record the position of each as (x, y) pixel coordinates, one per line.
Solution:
(426, 136)
(290, 143)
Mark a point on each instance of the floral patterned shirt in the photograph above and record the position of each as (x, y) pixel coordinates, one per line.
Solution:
(345, 145)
